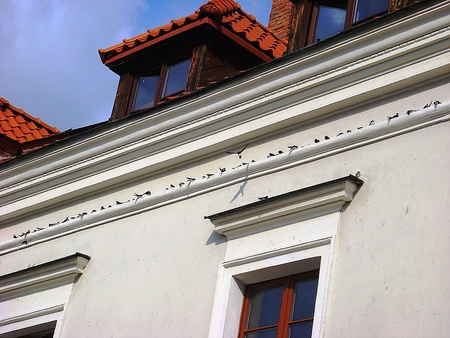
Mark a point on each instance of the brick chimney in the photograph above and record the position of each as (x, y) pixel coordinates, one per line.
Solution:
(280, 18)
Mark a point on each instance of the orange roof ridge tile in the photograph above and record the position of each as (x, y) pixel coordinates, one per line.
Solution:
(219, 7)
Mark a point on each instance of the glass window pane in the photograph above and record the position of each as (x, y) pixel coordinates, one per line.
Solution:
(301, 330)
(367, 8)
(176, 77)
(270, 333)
(304, 299)
(265, 306)
(330, 21)
(146, 91)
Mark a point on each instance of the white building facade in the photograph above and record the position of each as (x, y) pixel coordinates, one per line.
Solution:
(333, 158)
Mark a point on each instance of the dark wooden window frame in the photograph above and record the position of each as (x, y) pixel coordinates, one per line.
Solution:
(128, 83)
(286, 305)
(161, 71)
(304, 18)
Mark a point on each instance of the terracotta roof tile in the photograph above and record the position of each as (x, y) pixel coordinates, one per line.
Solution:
(20, 126)
(4, 126)
(227, 13)
(31, 125)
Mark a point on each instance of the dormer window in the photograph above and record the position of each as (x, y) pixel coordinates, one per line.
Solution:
(186, 55)
(314, 21)
(150, 89)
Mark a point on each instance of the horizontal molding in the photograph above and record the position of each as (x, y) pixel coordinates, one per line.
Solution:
(94, 156)
(31, 315)
(276, 252)
(47, 275)
(326, 197)
(370, 134)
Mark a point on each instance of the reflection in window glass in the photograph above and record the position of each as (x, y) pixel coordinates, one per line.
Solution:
(304, 299)
(265, 306)
(330, 21)
(368, 8)
(176, 77)
(146, 91)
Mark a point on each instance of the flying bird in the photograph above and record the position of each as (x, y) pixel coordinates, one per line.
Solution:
(293, 147)
(371, 123)
(222, 170)
(239, 152)
(181, 184)
(190, 179)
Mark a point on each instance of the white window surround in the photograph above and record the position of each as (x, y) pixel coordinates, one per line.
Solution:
(277, 237)
(36, 297)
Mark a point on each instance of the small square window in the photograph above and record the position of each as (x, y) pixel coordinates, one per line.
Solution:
(368, 8)
(168, 80)
(330, 20)
(176, 79)
(146, 92)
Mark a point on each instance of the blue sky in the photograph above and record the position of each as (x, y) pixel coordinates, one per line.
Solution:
(49, 62)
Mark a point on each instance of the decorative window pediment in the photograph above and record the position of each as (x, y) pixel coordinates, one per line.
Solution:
(35, 298)
(320, 199)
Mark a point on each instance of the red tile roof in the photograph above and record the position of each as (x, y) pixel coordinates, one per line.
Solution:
(21, 133)
(20, 126)
(227, 13)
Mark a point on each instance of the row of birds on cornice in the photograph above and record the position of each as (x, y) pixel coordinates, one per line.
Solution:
(189, 180)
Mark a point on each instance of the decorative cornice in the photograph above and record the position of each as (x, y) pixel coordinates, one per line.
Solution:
(327, 197)
(376, 132)
(320, 72)
(47, 275)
